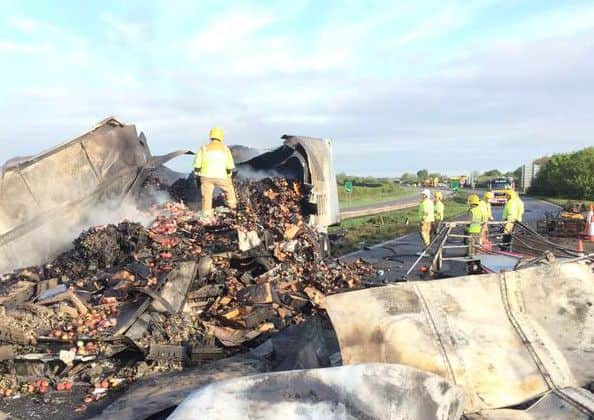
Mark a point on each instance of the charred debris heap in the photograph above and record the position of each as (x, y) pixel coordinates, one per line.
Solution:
(129, 301)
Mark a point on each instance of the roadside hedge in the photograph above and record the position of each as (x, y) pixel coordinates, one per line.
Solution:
(569, 175)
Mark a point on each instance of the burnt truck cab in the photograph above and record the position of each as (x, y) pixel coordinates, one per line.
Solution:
(308, 160)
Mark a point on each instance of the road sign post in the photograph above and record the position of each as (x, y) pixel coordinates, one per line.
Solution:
(348, 188)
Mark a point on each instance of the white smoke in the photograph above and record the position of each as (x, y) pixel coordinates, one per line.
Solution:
(44, 243)
(245, 172)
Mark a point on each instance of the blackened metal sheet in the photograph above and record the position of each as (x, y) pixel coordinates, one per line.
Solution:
(59, 186)
(505, 338)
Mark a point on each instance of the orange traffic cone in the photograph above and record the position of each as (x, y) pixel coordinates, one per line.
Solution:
(580, 246)
(588, 233)
(487, 246)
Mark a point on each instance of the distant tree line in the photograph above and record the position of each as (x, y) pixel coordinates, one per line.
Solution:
(420, 177)
(568, 175)
(363, 181)
(408, 178)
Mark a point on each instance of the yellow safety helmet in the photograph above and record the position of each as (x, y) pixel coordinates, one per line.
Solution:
(488, 195)
(438, 195)
(474, 200)
(217, 133)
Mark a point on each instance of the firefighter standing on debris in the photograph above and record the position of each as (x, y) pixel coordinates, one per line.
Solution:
(512, 212)
(475, 227)
(214, 165)
(427, 216)
(439, 209)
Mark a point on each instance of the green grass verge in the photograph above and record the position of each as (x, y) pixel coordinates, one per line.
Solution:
(371, 230)
(372, 195)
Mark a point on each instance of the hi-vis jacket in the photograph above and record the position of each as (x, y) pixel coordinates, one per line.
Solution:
(513, 210)
(485, 207)
(426, 212)
(214, 160)
(439, 210)
(476, 220)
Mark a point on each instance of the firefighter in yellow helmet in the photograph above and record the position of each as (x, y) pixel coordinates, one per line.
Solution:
(475, 217)
(439, 209)
(214, 165)
(426, 216)
(485, 207)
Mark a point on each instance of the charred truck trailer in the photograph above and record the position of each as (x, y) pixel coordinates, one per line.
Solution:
(308, 160)
(46, 199)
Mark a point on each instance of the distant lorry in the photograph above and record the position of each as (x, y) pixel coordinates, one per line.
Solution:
(499, 187)
(431, 182)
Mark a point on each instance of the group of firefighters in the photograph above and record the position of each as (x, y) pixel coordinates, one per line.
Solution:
(431, 213)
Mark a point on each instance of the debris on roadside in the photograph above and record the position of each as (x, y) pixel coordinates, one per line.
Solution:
(129, 301)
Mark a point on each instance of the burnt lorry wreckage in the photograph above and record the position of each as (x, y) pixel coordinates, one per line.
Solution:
(52, 193)
(249, 315)
(110, 164)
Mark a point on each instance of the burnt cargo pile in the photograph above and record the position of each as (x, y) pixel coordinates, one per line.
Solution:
(129, 301)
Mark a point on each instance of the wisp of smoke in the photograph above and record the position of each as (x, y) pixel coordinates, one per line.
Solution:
(245, 172)
(47, 241)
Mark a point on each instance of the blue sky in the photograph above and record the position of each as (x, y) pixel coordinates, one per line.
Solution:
(450, 86)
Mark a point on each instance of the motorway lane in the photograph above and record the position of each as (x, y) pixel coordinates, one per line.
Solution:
(394, 258)
(377, 208)
(534, 210)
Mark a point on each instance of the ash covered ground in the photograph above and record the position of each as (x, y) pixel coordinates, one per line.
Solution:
(129, 301)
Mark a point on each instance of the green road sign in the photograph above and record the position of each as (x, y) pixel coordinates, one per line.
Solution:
(455, 185)
(348, 186)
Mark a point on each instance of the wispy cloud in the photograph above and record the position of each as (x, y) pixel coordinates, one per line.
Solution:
(24, 25)
(439, 24)
(8, 46)
(229, 31)
(122, 30)
(363, 74)
(558, 22)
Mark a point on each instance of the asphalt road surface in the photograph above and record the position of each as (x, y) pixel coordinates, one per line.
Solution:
(393, 258)
(396, 204)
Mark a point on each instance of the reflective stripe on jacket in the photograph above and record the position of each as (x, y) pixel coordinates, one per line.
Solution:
(439, 210)
(426, 212)
(485, 207)
(520, 214)
(476, 220)
(214, 160)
